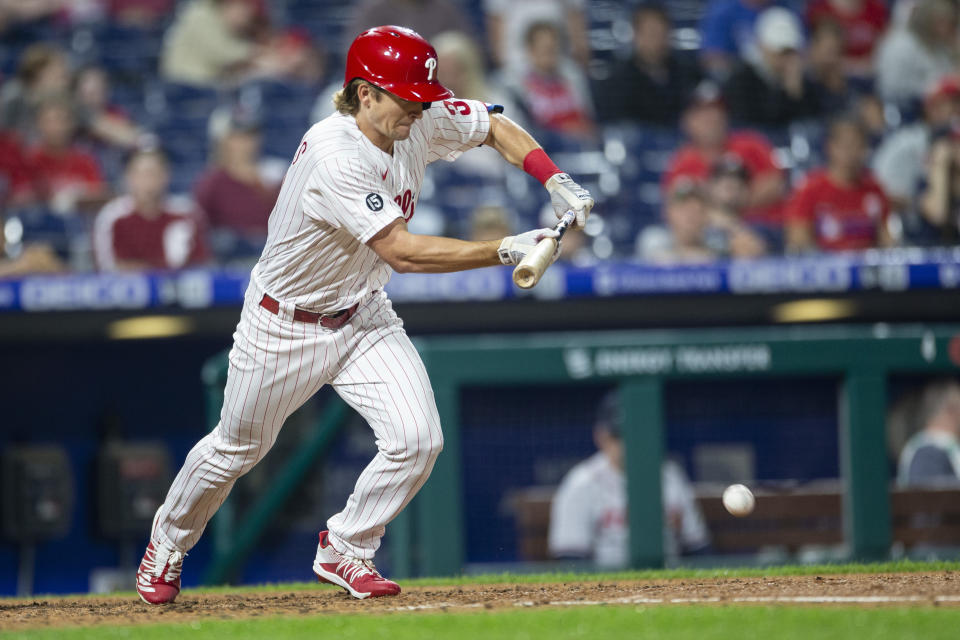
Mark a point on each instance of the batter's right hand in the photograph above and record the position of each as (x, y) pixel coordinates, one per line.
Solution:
(514, 248)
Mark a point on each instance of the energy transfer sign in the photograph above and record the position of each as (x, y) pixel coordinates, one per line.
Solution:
(626, 361)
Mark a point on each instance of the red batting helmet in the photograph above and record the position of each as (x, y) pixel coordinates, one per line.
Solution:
(398, 60)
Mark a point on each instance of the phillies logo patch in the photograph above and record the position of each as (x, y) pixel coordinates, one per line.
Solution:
(431, 65)
(374, 202)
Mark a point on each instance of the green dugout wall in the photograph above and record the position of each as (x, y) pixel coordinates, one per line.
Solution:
(429, 537)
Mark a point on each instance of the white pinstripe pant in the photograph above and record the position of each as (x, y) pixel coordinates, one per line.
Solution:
(277, 364)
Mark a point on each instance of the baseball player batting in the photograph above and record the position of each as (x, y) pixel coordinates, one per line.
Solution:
(315, 312)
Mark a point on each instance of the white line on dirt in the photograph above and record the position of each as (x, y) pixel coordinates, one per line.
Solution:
(711, 600)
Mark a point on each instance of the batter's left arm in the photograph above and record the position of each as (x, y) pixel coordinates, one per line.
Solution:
(520, 149)
(509, 139)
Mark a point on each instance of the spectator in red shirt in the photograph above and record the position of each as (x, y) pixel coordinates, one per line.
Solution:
(840, 207)
(147, 228)
(862, 23)
(705, 123)
(62, 174)
(553, 90)
(237, 193)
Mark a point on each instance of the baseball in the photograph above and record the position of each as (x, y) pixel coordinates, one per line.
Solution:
(738, 500)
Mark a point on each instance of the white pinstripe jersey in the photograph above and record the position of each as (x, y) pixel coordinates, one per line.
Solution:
(340, 190)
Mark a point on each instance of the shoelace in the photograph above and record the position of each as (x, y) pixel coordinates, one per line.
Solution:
(172, 561)
(353, 568)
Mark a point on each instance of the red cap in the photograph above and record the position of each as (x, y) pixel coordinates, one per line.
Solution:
(946, 87)
(398, 60)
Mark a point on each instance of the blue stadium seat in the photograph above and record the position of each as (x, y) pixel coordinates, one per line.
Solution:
(188, 101)
(129, 51)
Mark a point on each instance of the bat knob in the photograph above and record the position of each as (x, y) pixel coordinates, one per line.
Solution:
(525, 276)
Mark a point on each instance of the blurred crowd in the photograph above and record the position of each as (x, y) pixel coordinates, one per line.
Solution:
(153, 134)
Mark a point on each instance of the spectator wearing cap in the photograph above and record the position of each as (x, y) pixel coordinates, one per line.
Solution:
(840, 207)
(900, 162)
(588, 516)
(709, 138)
(727, 33)
(147, 228)
(62, 174)
(237, 193)
(654, 84)
(914, 57)
(772, 88)
(861, 24)
(553, 90)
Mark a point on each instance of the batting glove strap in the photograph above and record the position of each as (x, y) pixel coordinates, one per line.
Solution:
(567, 195)
(506, 257)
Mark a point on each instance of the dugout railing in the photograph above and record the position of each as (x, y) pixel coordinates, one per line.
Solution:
(429, 537)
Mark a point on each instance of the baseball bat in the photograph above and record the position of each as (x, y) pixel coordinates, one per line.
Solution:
(531, 268)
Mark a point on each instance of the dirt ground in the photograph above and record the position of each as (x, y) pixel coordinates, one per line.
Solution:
(908, 589)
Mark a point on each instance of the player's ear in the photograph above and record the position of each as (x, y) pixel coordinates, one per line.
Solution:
(367, 92)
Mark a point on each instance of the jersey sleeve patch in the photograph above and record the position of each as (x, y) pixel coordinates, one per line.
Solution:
(374, 202)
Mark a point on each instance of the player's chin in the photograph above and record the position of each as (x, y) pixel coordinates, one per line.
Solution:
(402, 131)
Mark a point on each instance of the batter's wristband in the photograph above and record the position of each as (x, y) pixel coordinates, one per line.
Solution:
(538, 164)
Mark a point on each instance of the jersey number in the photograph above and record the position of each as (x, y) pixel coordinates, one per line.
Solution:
(406, 202)
(457, 106)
